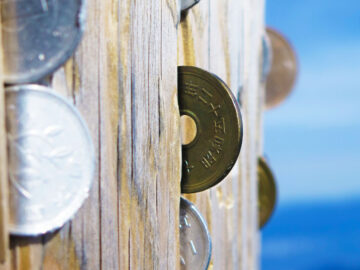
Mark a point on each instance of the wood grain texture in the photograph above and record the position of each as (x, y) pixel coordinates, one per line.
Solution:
(4, 238)
(224, 37)
(123, 80)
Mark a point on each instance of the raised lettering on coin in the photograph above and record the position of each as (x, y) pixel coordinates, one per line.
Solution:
(214, 151)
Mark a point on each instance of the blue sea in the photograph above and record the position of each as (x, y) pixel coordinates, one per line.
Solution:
(313, 236)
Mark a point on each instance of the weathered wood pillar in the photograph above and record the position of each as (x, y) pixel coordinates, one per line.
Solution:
(123, 79)
(224, 37)
(4, 239)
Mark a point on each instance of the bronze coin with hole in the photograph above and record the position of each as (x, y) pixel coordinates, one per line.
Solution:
(266, 192)
(210, 155)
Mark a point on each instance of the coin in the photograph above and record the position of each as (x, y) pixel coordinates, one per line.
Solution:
(266, 192)
(219, 130)
(50, 159)
(283, 72)
(195, 241)
(39, 36)
(186, 4)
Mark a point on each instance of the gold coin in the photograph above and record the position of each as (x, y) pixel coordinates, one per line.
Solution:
(266, 192)
(210, 156)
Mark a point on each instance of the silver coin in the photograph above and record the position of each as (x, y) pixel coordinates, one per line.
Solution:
(39, 36)
(195, 241)
(50, 156)
(186, 4)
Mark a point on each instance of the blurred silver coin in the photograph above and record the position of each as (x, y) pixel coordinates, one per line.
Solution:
(39, 36)
(186, 4)
(51, 159)
(195, 242)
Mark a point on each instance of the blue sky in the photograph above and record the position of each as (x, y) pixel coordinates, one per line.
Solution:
(312, 139)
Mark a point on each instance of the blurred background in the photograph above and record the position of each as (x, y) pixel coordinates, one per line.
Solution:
(312, 140)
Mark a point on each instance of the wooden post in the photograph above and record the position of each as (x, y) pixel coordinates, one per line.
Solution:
(4, 237)
(123, 79)
(224, 37)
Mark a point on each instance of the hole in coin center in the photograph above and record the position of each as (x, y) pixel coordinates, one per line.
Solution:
(188, 129)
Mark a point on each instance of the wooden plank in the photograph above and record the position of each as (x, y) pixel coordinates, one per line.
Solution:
(150, 124)
(226, 42)
(77, 244)
(123, 80)
(253, 30)
(193, 49)
(4, 238)
(224, 57)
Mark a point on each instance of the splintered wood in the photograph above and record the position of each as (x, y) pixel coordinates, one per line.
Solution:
(224, 37)
(4, 238)
(123, 80)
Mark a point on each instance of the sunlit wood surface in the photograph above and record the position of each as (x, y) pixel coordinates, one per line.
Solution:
(224, 37)
(123, 79)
